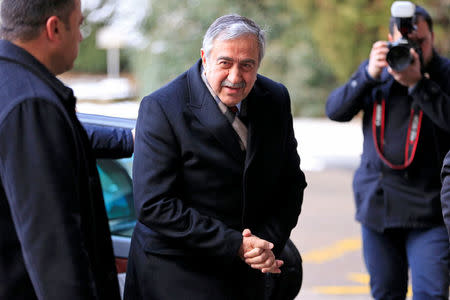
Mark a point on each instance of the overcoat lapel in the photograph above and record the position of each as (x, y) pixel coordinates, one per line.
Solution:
(256, 104)
(205, 109)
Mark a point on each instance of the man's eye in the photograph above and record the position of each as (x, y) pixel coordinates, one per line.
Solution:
(247, 67)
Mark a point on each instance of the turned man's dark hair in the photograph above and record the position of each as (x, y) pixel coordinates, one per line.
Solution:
(23, 19)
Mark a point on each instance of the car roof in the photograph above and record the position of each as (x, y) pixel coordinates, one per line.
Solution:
(106, 120)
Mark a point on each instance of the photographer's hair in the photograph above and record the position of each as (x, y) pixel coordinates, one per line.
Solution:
(420, 11)
(24, 19)
(230, 27)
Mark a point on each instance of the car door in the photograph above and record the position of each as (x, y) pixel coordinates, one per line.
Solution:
(117, 186)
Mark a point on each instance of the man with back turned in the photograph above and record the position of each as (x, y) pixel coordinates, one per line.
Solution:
(54, 238)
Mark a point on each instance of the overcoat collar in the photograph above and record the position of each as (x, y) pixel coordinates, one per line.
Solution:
(15, 54)
(204, 107)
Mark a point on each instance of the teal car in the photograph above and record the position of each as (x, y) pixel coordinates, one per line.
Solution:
(117, 186)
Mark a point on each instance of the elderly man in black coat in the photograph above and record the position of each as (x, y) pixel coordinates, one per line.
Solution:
(217, 181)
(54, 237)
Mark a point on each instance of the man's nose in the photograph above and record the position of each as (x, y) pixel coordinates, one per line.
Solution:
(234, 74)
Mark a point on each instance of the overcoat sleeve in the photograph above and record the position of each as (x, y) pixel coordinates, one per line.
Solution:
(432, 95)
(445, 192)
(157, 179)
(38, 169)
(347, 100)
(110, 142)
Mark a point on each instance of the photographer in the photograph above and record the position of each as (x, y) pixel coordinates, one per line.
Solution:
(406, 127)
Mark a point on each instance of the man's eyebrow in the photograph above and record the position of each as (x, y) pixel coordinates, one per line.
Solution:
(247, 61)
(224, 58)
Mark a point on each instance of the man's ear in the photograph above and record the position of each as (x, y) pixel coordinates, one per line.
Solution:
(203, 55)
(53, 28)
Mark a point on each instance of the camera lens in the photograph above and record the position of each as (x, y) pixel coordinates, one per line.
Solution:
(399, 57)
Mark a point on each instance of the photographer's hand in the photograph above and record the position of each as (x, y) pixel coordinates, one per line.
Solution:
(411, 75)
(377, 60)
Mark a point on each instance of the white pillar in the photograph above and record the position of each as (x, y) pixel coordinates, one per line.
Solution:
(113, 62)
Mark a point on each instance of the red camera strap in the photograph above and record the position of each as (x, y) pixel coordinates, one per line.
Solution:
(412, 137)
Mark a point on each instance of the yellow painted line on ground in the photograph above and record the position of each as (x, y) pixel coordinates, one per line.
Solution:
(343, 290)
(362, 289)
(362, 278)
(349, 290)
(334, 251)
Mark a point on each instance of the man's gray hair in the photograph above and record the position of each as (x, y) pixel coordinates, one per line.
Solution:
(230, 27)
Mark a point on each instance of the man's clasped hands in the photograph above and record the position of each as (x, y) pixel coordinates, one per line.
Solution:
(257, 253)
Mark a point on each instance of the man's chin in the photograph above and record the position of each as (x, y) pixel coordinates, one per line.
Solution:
(231, 101)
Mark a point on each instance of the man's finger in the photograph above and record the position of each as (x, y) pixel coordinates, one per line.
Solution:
(273, 271)
(379, 44)
(268, 263)
(275, 268)
(253, 253)
(279, 262)
(246, 233)
(261, 259)
(414, 54)
(260, 243)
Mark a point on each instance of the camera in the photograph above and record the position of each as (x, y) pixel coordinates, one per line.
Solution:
(399, 57)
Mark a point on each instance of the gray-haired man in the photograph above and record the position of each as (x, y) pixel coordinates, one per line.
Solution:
(218, 187)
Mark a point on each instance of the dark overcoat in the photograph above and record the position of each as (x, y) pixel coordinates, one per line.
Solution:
(196, 190)
(409, 197)
(54, 237)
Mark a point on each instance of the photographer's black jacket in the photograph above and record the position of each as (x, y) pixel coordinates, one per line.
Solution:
(387, 198)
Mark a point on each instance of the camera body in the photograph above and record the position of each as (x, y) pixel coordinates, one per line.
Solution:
(399, 57)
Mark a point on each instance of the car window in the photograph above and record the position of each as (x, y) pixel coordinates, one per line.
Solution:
(117, 186)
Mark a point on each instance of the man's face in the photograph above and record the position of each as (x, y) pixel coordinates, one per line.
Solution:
(231, 68)
(422, 36)
(71, 38)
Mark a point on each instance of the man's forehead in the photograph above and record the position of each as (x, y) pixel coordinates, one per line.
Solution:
(242, 43)
(422, 25)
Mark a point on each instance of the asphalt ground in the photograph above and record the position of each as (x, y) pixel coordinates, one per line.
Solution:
(328, 237)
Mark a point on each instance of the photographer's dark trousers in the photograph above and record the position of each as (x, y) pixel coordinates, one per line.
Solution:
(388, 255)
